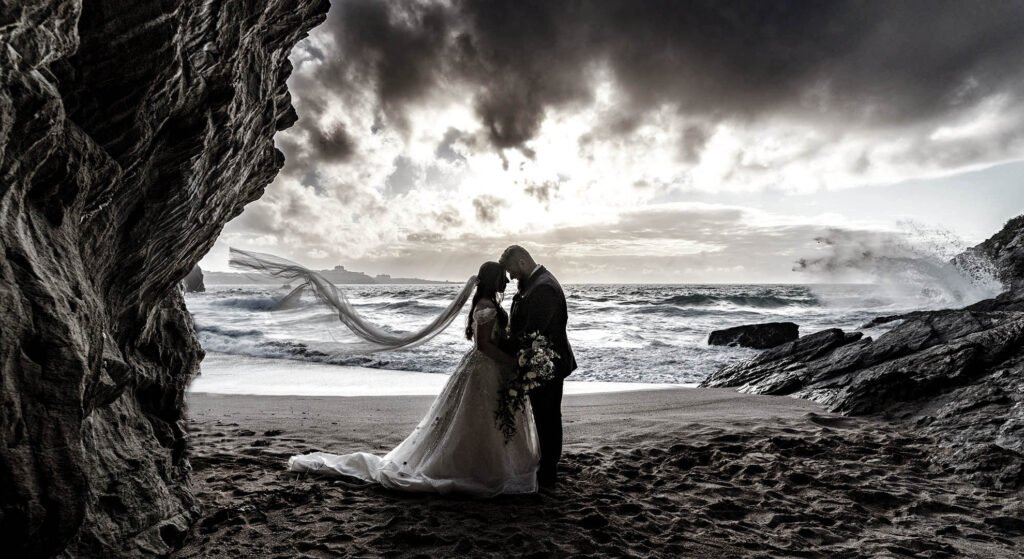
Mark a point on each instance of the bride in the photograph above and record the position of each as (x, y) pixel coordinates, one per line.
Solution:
(457, 446)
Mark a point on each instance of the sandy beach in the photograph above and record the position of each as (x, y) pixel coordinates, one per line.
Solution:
(667, 473)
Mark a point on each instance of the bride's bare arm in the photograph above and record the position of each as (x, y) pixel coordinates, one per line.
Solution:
(487, 346)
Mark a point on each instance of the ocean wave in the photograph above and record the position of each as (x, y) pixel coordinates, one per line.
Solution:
(226, 332)
(307, 318)
(414, 307)
(255, 344)
(591, 298)
(652, 333)
(756, 301)
(428, 294)
(918, 265)
(247, 303)
(690, 312)
(577, 308)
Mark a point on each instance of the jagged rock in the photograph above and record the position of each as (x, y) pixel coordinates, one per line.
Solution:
(772, 372)
(953, 374)
(130, 133)
(1005, 302)
(193, 282)
(757, 336)
(1010, 301)
(1005, 251)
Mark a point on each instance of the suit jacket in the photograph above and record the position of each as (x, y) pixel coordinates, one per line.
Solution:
(540, 306)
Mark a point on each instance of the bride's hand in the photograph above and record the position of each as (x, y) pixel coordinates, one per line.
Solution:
(485, 345)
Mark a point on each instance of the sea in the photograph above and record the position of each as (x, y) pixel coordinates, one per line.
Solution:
(619, 333)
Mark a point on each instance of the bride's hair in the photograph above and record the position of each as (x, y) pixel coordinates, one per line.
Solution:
(487, 288)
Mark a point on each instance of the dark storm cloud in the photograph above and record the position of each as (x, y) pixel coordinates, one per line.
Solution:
(850, 64)
(393, 50)
(487, 208)
(307, 145)
(692, 143)
(394, 47)
(333, 144)
(543, 191)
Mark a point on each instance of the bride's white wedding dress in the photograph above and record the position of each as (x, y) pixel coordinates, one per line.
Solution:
(457, 447)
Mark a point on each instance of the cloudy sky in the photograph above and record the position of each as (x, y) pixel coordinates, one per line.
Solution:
(656, 141)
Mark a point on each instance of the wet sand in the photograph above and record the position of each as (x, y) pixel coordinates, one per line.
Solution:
(668, 473)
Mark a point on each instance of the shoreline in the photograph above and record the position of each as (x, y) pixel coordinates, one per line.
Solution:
(222, 373)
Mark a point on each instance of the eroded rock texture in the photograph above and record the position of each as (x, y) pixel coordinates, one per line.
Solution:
(130, 132)
(954, 375)
(193, 282)
(1005, 250)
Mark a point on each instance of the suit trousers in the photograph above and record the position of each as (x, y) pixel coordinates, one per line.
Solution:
(546, 401)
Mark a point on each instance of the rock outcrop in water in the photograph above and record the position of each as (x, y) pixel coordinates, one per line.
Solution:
(756, 336)
(954, 375)
(193, 282)
(130, 132)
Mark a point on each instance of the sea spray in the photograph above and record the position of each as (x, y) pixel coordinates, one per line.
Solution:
(915, 264)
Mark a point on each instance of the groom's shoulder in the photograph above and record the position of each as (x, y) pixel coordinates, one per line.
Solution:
(549, 281)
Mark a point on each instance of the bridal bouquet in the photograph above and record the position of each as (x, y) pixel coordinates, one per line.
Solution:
(536, 366)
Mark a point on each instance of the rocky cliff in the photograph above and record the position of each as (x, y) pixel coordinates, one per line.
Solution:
(130, 132)
(1005, 250)
(193, 282)
(954, 375)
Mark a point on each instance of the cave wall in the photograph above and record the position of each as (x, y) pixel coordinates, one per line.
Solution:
(130, 133)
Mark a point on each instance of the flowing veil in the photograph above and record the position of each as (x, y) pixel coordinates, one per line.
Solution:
(373, 338)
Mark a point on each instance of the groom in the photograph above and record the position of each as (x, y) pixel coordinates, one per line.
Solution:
(539, 306)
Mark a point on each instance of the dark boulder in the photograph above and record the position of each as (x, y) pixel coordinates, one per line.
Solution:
(130, 133)
(757, 336)
(193, 282)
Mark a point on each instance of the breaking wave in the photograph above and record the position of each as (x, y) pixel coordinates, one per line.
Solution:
(928, 268)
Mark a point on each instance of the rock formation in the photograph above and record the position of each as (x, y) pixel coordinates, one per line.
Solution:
(1005, 251)
(130, 132)
(757, 336)
(193, 282)
(954, 375)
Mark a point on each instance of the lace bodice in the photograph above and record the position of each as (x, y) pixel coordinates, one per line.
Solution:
(484, 313)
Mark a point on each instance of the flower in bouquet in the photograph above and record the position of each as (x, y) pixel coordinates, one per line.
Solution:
(536, 362)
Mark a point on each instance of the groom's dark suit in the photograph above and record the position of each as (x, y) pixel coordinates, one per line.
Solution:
(540, 306)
